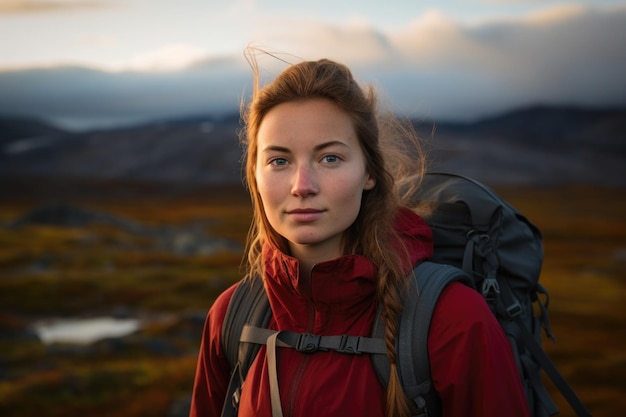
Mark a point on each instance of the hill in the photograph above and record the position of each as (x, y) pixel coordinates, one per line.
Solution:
(536, 145)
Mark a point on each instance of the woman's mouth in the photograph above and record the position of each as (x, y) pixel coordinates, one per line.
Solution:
(306, 215)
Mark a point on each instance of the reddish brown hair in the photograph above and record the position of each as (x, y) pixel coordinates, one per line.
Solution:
(373, 231)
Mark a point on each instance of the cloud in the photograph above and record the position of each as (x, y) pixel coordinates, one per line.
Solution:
(562, 55)
(356, 42)
(171, 57)
(81, 98)
(99, 41)
(433, 67)
(554, 14)
(445, 68)
(44, 6)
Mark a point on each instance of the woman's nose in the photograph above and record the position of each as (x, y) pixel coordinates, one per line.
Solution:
(304, 182)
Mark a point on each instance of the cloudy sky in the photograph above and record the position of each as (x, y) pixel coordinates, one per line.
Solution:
(94, 63)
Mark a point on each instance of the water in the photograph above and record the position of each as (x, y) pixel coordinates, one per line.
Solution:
(84, 330)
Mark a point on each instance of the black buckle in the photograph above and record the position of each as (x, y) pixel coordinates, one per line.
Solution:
(490, 286)
(308, 343)
(349, 344)
(514, 310)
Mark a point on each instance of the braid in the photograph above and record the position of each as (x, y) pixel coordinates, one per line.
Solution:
(391, 309)
(392, 281)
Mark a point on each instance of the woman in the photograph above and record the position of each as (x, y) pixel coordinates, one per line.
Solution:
(332, 239)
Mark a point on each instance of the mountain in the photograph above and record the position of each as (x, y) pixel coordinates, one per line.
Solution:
(534, 145)
(13, 129)
(196, 149)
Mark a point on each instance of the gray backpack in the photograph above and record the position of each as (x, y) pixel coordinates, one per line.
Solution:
(480, 240)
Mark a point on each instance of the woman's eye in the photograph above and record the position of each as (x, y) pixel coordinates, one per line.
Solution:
(331, 159)
(278, 161)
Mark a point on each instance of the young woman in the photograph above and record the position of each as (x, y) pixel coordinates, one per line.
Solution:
(332, 239)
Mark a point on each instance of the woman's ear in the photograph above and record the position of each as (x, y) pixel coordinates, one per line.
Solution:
(370, 182)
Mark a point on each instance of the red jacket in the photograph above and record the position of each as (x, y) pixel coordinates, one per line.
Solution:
(472, 366)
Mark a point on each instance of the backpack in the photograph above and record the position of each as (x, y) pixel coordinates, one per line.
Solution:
(481, 241)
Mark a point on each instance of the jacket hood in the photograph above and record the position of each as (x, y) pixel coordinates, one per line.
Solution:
(416, 235)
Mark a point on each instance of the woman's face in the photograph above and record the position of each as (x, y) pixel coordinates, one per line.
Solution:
(310, 173)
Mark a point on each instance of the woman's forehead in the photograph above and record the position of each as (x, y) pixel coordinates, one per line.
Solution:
(316, 122)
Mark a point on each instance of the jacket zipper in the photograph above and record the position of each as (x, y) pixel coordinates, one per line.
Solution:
(303, 365)
(293, 391)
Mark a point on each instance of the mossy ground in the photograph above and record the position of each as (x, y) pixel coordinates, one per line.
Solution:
(53, 271)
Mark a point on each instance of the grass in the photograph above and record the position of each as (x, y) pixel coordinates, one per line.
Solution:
(58, 271)
(584, 269)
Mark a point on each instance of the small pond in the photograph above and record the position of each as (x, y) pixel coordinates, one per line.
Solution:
(84, 330)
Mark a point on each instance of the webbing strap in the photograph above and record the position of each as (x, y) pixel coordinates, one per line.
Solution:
(303, 342)
(534, 378)
(309, 343)
(543, 308)
(554, 374)
(277, 409)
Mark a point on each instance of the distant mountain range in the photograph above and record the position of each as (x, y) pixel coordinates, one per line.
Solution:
(537, 145)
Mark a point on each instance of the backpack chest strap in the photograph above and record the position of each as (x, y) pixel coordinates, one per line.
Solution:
(309, 343)
(306, 343)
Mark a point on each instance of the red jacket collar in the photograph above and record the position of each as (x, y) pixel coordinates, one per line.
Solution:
(341, 287)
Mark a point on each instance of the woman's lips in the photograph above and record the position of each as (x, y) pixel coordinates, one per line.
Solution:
(305, 215)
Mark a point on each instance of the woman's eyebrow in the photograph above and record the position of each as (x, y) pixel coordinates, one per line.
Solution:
(317, 148)
(325, 145)
(275, 148)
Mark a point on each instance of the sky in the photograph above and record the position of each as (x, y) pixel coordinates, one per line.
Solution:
(86, 64)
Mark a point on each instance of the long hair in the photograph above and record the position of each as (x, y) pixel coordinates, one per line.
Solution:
(395, 171)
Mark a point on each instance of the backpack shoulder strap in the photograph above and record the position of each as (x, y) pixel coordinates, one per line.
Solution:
(412, 349)
(248, 305)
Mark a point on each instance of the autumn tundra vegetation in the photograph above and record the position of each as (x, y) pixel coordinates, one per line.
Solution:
(161, 255)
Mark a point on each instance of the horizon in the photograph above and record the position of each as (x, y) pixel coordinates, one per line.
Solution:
(225, 116)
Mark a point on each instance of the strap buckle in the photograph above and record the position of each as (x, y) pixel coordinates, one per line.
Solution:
(490, 286)
(514, 309)
(349, 344)
(308, 343)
